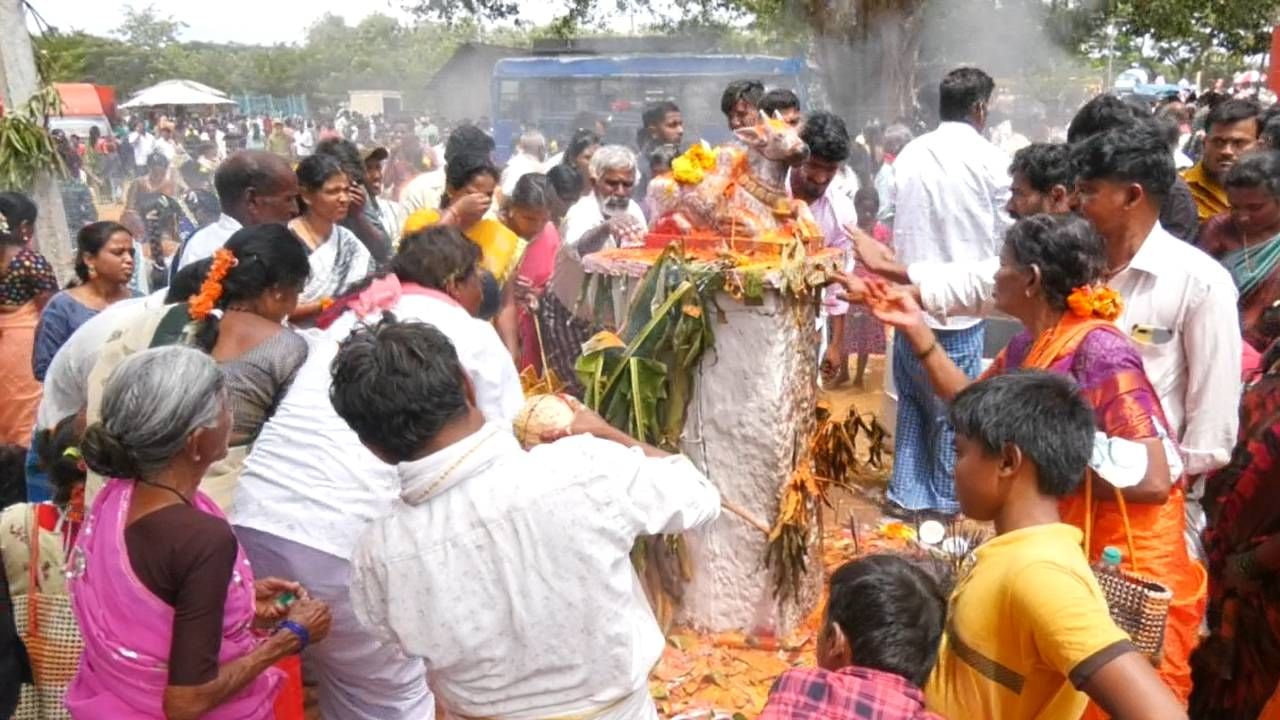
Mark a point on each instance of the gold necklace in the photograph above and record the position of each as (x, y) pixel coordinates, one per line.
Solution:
(416, 498)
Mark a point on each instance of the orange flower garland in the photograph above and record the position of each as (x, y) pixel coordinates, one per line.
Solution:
(201, 304)
(1098, 302)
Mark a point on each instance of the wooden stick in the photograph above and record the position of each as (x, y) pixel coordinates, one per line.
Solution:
(748, 517)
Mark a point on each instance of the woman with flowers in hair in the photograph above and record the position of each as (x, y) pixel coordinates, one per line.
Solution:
(1050, 268)
(253, 284)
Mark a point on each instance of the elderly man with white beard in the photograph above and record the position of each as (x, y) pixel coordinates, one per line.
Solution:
(606, 218)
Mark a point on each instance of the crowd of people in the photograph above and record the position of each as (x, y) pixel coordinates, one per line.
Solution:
(272, 412)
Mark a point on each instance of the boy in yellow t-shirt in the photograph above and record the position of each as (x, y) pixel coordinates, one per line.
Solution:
(1028, 633)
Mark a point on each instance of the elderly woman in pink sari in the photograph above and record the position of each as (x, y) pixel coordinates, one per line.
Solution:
(174, 624)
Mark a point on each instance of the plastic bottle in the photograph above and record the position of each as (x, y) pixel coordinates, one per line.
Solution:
(1110, 559)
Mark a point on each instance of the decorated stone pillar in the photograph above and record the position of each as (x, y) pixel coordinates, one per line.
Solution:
(750, 418)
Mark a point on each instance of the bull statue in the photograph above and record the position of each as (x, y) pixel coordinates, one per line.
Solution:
(743, 196)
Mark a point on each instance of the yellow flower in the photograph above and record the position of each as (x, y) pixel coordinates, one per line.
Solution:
(702, 156)
(686, 171)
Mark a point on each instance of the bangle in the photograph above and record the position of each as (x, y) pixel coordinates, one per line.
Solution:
(928, 351)
(303, 636)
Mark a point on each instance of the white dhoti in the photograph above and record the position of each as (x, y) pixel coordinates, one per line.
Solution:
(360, 677)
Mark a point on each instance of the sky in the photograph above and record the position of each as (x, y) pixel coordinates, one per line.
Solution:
(253, 22)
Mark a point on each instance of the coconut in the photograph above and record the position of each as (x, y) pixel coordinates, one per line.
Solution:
(542, 414)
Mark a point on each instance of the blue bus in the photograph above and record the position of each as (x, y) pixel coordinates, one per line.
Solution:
(548, 92)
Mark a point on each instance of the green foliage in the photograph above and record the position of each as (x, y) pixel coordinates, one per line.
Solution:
(377, 53)
(147, 29)
(1181, 27)
(643, 387)
(26, 148)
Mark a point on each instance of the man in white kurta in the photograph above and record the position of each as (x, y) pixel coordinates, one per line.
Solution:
(309, 488)
(507, 571)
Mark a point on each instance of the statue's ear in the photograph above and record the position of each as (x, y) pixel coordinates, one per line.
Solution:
(750, 135)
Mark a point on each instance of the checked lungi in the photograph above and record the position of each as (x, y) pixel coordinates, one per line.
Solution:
(924, 457)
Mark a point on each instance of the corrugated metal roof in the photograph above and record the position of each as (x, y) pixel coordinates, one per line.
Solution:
(622, 65)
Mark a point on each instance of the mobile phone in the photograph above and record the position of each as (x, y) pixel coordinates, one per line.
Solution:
(1150, 334)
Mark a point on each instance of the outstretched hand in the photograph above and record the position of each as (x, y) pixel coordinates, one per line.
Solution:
(862, 291)
(871, 253)
(897, 307)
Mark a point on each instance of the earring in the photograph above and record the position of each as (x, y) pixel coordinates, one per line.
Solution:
(93, 271)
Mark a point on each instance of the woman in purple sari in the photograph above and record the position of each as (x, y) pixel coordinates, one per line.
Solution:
(173, 621)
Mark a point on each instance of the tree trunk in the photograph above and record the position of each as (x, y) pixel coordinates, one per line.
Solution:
(18, 82)
(867, 51)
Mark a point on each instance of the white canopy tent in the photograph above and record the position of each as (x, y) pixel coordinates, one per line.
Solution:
(178, 92)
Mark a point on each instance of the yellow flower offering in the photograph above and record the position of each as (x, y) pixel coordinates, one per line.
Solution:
(702, 155)
(691, 167)
(686, 171)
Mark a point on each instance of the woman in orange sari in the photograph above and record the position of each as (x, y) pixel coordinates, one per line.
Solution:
(1132, 501)
(26, 282)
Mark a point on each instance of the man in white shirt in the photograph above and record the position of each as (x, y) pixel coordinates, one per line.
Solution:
(309, 488)
(1180, 305)
(813, 181)
(254, 187)
(508, 572)
(952, 186)
(142, 143)
(531, 152)
(165, 144)
(304, 141)
(606, 218)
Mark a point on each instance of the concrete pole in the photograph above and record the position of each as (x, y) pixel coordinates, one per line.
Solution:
(18, 82)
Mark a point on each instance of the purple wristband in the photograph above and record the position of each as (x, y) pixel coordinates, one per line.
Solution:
(296, 629)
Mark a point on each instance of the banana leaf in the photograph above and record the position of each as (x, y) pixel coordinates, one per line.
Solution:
(645, 387)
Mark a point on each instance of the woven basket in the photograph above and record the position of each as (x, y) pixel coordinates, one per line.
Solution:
(48, 628)
(1140, 607)
(1138, 604)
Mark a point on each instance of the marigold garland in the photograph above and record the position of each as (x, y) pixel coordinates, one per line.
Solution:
(201, 304)
(691, 167)
(686, 172)
(1098, 302)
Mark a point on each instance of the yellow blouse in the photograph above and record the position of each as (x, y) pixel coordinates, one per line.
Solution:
(499, 247)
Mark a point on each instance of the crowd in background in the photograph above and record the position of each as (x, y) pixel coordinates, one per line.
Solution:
(272, 413)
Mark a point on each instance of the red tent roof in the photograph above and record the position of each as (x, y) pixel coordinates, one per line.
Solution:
(80, 99)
